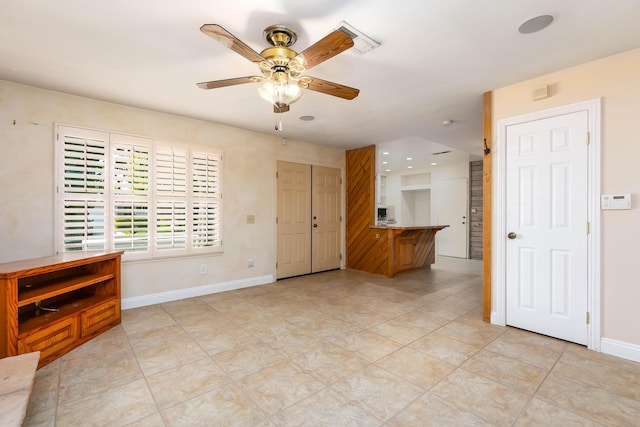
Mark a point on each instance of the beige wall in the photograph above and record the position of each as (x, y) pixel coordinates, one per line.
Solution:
(27, 193)
(616, 80)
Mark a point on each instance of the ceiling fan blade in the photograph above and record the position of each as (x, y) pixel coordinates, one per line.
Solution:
(326, 48)
(229, 40)
(330, 88)
(228, 82)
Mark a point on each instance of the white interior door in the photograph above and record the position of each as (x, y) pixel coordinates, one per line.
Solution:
(326, 207)
(294, 219)
(451, 206)
(546, 221)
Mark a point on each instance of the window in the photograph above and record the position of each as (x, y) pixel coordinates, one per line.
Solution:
(147, 197)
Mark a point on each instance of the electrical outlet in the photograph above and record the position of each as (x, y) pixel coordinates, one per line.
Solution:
(249, 263)
(203, 268)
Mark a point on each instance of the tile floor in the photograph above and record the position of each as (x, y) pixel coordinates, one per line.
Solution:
(333, 349)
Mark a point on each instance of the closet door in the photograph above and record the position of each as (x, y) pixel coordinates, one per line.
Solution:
(294, 219)
(308, 219)
(325, 208)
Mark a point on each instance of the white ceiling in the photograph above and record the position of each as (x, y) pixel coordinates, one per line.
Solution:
(436, 59)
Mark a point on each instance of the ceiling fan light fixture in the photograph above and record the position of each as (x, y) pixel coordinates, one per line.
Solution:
(280, 92)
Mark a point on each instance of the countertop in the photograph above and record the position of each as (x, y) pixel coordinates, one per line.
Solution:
(413, 227)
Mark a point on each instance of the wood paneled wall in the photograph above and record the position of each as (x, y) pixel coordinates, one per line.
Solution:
(363, 249)
(475, 210)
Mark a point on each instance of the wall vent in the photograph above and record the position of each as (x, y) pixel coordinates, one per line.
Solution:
(440, 152)
(361, 42)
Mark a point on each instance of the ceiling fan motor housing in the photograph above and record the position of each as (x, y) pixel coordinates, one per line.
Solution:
(280, 35)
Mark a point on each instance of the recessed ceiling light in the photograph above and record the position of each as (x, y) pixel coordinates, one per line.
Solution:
(387, 170)
(384, 153)
(433, 164)
(409, 167)
(409, 158)
(307, 118)
(385, 163)
(535, 24)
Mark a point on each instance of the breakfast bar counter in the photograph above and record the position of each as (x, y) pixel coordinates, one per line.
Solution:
(408, 248)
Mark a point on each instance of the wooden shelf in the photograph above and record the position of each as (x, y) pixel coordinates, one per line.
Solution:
(417, 187)
(32, 321)
(50, 290)
(83, 287)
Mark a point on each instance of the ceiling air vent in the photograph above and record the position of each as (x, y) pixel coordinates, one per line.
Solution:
(361, 42)
(440, 152)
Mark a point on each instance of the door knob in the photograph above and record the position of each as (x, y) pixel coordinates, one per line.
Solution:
(315, 225)
(512, 235)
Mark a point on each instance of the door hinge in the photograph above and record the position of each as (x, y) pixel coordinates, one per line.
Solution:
(276, 174)
(276, 220)
(588, 138)
(340, 181)
(276, 265)
(587, 318)
(340, 218)
(588, 227)
(340, 257)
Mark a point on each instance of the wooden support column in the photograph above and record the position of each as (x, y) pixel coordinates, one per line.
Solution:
(363, 251)
(486, 208)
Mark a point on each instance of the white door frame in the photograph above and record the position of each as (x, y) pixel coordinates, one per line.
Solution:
(499, 230)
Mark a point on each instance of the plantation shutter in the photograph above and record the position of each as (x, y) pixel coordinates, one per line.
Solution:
(170, 198)
(131, 159)
(206, 193)
(82, 181)
(147, 198)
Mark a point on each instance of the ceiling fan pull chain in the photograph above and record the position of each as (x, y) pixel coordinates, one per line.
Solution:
(279, 127)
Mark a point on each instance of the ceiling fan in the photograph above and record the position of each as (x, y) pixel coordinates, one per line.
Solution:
(282, 68)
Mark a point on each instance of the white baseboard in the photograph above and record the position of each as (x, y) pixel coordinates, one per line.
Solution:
(496, 320)
(620, 349)
(607, 346)
(198, 291)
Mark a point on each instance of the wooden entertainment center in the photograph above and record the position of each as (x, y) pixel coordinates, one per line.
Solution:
(54, 304)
